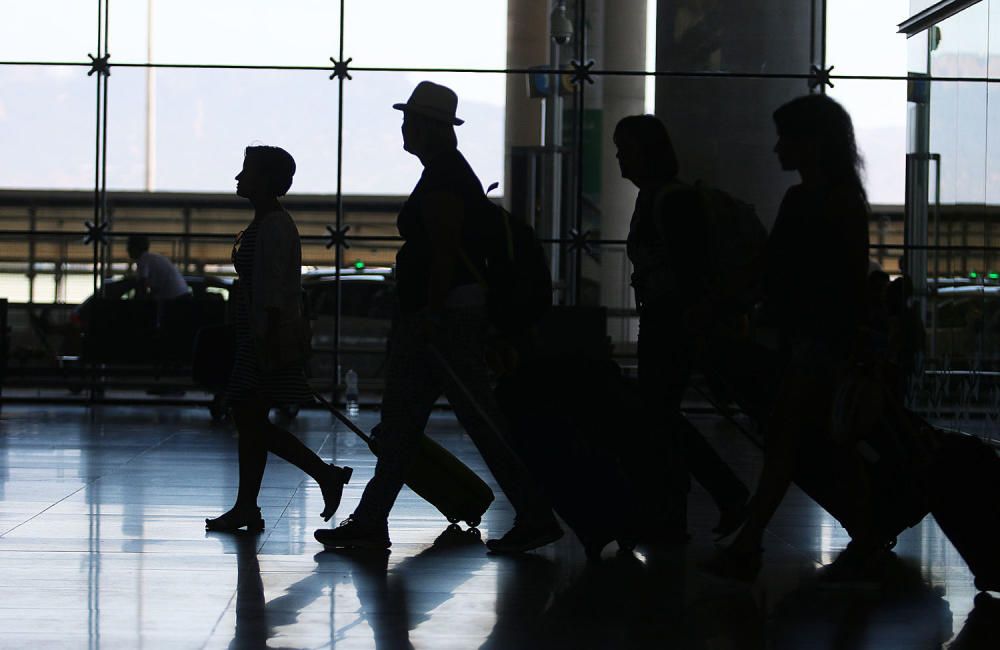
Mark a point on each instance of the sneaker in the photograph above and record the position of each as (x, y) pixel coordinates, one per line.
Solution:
(525, 537)
(855, 568)
(353, 534)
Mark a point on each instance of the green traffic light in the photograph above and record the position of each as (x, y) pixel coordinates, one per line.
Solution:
(359, 265)
(973, 275)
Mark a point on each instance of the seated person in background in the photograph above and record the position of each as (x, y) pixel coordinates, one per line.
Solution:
(155, 274)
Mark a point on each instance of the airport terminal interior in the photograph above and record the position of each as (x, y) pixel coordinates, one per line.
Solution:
(125, 122)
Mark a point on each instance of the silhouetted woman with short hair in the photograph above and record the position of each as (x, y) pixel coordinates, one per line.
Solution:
(814, 288)
(272, 341)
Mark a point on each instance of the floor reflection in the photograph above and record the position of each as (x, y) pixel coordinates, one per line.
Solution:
(102, 545)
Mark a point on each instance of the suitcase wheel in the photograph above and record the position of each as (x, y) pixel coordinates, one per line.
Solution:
(474, 522)
(474, 532)
(453, 520)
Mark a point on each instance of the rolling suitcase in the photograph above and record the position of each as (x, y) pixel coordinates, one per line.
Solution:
(435, 475)
(965, 501)
(891, 450)
(565, 417)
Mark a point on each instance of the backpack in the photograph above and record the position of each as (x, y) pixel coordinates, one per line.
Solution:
(518, 281)
(737, 239)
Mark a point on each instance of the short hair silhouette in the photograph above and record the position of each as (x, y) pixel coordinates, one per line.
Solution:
(650, 134)
(825, 122)
(137, 245)
(276, 164)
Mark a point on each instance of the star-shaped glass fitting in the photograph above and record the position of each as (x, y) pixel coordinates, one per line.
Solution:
(337, 237)
(95, 233)
(340, 68)
(581, 71)
(579, 240)
(819, 77)
(100, 65)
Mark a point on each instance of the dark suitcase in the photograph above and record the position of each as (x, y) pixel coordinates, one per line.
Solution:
(436, 476)
(891, 450)
(965, 501)
(563, 416)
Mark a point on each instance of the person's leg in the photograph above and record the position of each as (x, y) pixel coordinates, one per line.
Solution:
(251, 426)
(461, 346)
(665, 365)
(703, 462)
(252, 450)
(801, 408)
(330, 478)
(407, 400)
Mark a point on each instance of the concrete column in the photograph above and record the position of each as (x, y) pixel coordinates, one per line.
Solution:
(722, 128)
(624, 48)
(527, 45)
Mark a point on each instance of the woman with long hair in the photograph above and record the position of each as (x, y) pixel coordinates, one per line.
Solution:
(271, 341)
(814, 267)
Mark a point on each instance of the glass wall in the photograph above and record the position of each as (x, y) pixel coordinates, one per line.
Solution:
(153, 147)
(952, 206)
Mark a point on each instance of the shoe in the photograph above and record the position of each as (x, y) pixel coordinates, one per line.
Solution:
(734, 565)
(730, 519)
(525, 537)
(234, 520)
(856, 567)
(353, 534)
(333, 490)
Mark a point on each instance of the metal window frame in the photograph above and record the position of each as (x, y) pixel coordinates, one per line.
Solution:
(933, 15)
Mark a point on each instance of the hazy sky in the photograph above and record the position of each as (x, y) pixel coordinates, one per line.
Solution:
(208, 113)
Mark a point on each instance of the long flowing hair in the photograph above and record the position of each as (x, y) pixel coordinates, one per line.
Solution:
(822, 120)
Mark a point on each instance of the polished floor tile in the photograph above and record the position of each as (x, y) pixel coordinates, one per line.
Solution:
(102, 546)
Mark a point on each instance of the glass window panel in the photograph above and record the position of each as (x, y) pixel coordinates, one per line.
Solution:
(54, 30)
(14, 287)
(77, 288)
(248, 32)
(724, 134)
(204, 119)
(878, 111)
(959, 109)
(427, 34)
(993, 115)
(871, 46)
(47, 127)
(374, 160)
(694, 35)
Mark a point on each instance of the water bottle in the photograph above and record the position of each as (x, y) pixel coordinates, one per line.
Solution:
(351, 392)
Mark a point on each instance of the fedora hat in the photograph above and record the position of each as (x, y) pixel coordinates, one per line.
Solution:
(432, 101)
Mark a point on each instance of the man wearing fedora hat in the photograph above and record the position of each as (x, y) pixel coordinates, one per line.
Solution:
(441, 330)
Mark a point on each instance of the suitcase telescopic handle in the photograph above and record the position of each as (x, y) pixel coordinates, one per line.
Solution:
(343, 418)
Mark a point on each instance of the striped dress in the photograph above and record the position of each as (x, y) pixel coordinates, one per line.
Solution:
(248, 382)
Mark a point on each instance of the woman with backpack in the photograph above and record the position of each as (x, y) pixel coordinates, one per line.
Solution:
(669, 241)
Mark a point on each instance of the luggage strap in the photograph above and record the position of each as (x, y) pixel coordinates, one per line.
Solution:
(343, 418)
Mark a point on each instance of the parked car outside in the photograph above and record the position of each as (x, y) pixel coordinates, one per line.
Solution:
(368, 299)
(964, 326)
(116, 327)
